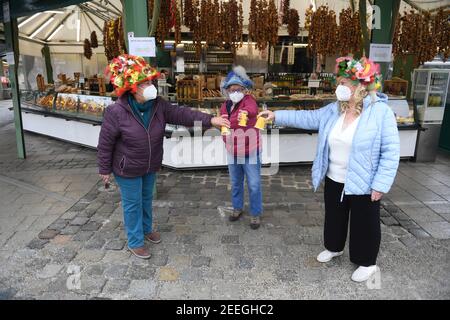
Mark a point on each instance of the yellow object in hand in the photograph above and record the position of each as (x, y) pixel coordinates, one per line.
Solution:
(260, 123)
(243, 118)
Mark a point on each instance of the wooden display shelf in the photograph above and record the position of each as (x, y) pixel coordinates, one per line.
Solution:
(188, 90)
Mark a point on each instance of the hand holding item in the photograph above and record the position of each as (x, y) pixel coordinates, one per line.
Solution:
(260, 123)
(220, 122)
(105, 178)
(269, 115)
(376, 195)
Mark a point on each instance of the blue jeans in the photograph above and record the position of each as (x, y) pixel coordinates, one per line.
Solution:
(250, 167)
(137, 196)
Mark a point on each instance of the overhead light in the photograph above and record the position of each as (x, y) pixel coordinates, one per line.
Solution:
(41, 27)
(54, 11)
(28, 19)
(54, 32)
(78, 27)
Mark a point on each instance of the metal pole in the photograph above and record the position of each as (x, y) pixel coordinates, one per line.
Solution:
(12, 54)
(389, 11)
(363, 22)
(48, 63)
(2, 74)
(155, 16)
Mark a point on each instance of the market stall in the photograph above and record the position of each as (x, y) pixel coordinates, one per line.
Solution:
(290, 70)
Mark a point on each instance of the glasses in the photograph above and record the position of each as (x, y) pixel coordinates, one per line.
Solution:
(236, 90)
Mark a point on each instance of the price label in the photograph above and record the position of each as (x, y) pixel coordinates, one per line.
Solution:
(313, 83)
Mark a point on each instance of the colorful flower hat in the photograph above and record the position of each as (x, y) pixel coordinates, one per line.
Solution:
(363, 71)
(127, 71)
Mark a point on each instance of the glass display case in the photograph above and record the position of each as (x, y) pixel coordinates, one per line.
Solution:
(77, 118)
(429, 91)
(405, 111)
(67, 105)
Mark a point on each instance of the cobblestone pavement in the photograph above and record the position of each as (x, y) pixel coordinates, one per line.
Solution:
(62, 234)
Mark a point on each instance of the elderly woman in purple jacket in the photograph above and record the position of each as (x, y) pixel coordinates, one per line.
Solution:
(131, 143)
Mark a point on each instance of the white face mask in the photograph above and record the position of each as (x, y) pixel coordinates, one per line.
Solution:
(343, 93)
(150, 93)
(236, 97)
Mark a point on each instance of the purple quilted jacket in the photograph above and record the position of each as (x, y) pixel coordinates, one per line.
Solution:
(127, 148)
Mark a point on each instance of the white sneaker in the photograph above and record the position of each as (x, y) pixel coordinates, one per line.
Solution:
(326, 255)
(364, 273)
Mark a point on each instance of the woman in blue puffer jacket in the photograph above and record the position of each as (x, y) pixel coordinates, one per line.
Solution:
(358, 154)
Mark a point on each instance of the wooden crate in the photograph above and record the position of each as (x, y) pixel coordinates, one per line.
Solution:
(188, 90)
(396, 86)
(211, 83)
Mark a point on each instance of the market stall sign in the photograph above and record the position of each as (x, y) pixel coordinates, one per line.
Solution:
(380, 52)
(141, 46)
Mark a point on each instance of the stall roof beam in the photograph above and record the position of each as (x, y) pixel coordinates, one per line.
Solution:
(104, 13)
(415, 6)
(444, 7)
(93, 21)
(117, 13)
(59, 23)
(37, 41)
(41, 25)
(112, 5)
(94, 12)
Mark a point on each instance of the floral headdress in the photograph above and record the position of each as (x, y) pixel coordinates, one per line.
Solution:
(127, 71)
(363, 71)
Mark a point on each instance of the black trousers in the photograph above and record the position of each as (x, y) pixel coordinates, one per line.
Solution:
(365, 231)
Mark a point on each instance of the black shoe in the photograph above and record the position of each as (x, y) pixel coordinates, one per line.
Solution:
(255, 222)
(235, 215)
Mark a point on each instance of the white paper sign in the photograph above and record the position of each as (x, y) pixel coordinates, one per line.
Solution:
(313, 83)
(180, 64)
(142, 46)
(380, 52)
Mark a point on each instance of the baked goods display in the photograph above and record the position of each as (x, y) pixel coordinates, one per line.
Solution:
(404, 120)
(93, 105)
(300, 96)
(211, 93)
(46, 102)
(66, 89)
(66, 102)
(325, 96)
(73, 103)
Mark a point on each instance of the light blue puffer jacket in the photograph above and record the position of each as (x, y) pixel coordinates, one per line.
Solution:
(375, 153)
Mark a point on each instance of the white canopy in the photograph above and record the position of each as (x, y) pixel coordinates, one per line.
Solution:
(71, 24)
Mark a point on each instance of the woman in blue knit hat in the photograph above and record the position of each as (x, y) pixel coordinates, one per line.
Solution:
(242, 144)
